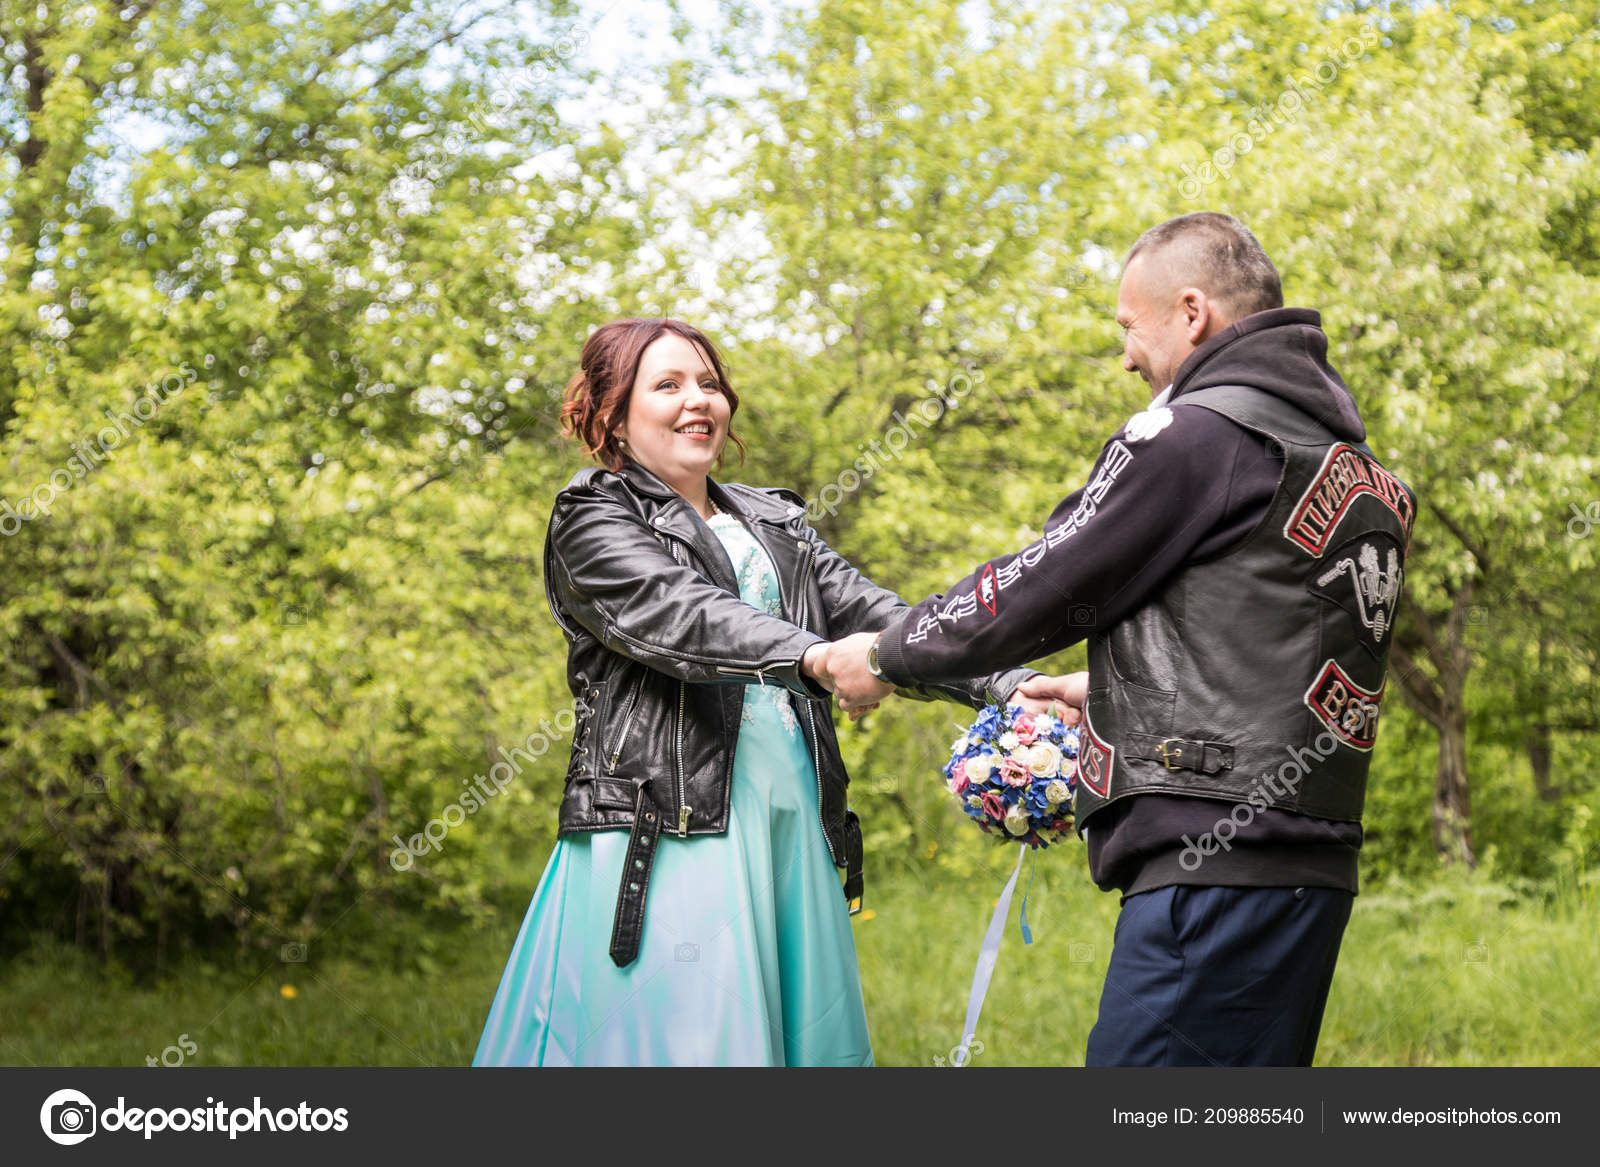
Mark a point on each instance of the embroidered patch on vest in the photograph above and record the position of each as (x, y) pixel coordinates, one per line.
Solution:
(1095, 759)
(1345, 476)
(986, 587)
(1350, 711)
(1363, 577)
(1143, 426)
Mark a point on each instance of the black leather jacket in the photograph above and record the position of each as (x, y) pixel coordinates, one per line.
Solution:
(660, 647)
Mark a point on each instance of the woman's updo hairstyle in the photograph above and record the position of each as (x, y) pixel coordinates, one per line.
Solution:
(595, 403)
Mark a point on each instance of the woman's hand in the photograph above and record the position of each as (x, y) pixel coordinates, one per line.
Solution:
(814, 664)
(1061, 696)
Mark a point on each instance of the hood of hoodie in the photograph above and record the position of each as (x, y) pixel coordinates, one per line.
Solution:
(1283, 352)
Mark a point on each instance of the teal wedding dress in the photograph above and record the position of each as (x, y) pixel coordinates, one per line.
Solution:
(746, 957)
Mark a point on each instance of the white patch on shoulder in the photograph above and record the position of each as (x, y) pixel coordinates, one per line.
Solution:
(1142, 427)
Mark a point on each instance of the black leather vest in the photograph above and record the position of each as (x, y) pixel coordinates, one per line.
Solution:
(1256, 677)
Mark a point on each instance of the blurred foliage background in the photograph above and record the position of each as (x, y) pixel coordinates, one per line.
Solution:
(289, 292)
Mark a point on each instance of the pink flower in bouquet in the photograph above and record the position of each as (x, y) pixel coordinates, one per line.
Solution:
(1014, 773)
(993, 807)
(1027, 731)
(959, 784)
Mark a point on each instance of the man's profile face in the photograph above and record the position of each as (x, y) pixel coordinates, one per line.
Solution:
(1154, 324)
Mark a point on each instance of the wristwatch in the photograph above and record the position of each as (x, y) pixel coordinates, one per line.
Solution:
(872, 662)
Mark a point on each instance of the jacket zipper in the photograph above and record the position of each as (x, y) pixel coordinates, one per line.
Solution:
(627, 724)
(684, 809)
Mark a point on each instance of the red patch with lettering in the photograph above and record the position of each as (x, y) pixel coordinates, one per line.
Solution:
(988, 589)
(1345, 476)
(1350, 711)
(1095, 759)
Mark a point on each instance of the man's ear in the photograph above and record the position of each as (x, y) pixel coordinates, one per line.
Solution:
(1200, 313)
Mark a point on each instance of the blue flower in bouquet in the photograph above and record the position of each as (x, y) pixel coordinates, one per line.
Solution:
(1038, 802)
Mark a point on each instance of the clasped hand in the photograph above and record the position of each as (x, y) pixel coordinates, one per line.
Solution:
(841, 668)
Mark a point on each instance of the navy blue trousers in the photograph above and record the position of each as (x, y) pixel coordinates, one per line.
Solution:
(1219, 976)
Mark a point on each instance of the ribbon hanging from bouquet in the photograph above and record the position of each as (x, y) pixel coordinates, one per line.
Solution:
(988, 956)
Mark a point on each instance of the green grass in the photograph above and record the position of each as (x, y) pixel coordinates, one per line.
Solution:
(59, 1008)
(1461, 971)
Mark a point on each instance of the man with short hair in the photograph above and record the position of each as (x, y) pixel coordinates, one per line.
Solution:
(1235, 560)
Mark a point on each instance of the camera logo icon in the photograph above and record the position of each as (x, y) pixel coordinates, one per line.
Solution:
(68, 1117)
(686, 953)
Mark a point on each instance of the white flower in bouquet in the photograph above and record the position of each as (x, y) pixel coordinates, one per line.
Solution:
(1009, 741)
(1044, 760)
(959, 746)
(979, 767)
(1056, 793)
(1017, 820)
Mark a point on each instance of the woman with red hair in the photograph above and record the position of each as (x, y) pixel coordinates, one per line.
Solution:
(705, 779)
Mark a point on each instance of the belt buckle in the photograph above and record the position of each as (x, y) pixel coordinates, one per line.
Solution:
(1168, 749)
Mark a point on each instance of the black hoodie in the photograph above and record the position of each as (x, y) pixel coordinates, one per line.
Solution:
(1195, 484)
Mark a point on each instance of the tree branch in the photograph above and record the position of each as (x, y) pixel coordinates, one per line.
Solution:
(1473, 546)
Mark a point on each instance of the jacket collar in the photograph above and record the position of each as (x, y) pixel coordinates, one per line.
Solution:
(741, 501)
(645, 482)
(677, 518)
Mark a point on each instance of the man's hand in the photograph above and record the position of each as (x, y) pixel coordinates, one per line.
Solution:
(814, 663)
(1061, 696)
(857, 688)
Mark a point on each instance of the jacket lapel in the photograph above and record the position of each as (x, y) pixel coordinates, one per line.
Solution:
(676, 519)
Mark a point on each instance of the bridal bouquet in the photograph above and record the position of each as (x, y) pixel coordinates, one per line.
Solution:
(1014, 773)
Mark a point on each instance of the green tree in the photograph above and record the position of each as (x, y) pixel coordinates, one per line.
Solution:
(321, 263)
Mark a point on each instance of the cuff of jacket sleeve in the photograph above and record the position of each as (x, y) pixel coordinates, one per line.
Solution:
(812, 686)
(891, 656)
(1002, 685)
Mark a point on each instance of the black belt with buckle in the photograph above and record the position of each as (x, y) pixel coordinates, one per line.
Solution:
(1176, 753)
(628, 925)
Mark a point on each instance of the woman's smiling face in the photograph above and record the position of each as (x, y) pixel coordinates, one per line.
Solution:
(678, 416)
